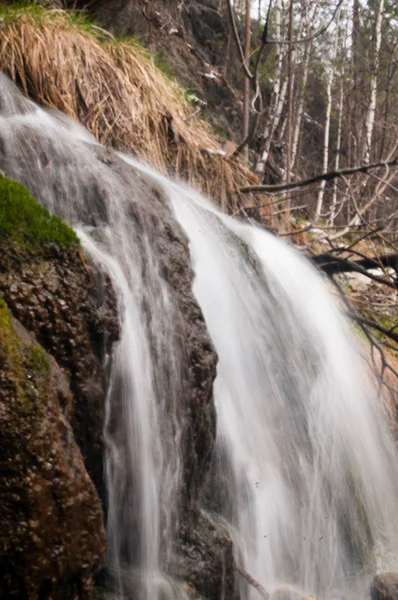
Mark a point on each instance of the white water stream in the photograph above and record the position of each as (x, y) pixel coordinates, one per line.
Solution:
(299, 420)
(305, 471)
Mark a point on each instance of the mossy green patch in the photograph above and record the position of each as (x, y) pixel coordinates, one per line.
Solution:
(36, 359)
(9, 350)
(25, 223)
(11, 11)
(26, 365)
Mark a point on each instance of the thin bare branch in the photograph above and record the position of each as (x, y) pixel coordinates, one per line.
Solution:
(261, 590)
(336, 264)
(270, 189)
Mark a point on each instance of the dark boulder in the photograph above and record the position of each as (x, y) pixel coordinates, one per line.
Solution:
(385, 587)
(70, 308)
(52, 536)
(205, 560)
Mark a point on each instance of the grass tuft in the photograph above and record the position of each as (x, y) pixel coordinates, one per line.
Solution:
(113, 87)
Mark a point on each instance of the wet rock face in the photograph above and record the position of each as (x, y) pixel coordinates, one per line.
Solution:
(69, 306)
(71, 310)
(385, 587)
(206, 560)
(197, 357)
(52, 537)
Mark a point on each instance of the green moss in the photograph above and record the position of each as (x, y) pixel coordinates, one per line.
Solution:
(190, 95)
(99, 235)
(133, 41)
(12, 11)
(384, 320)
(163, 66)
(26, 365)
(25, 223)
(355, 525)
(36, 360)
(9, 350)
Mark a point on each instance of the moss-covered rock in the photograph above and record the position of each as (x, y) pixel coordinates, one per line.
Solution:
(51, 524)
(52, 536)
(68, 305)
(25, 223)
(70, 308)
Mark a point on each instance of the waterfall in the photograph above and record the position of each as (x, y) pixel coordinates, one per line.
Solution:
(304, 472)
(300, 430)
(58, 161)
(298, 417)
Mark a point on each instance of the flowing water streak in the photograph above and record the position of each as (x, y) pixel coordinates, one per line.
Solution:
(312, 488)
(309, 449)
(57, 160)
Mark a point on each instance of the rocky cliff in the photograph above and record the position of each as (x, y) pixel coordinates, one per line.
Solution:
(58, 307)
(52, 527)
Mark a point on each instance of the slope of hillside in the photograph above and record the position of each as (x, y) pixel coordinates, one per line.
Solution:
(116, 91)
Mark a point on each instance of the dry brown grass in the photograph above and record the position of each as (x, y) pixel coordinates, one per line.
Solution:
(116, 91)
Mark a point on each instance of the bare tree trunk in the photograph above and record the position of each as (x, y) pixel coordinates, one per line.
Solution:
(277, 98)
(338, 149)
(370, 118)
(392, 68)
(340, 111)
(353, 128)
(309, 17)
(321, 192)
(270, 128)
(331, 69)
(281, 134)
(300, 102)
(246, 91)
(290, 97)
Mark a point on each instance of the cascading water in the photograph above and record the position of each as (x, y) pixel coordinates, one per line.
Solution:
(298, 417)
(304, 471)
(300, 431)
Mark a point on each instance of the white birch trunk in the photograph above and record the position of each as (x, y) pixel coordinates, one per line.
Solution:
(338, 148)
(370, 117)
(300, 104)
(321, 192)
(270, 129)
(329, 85)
